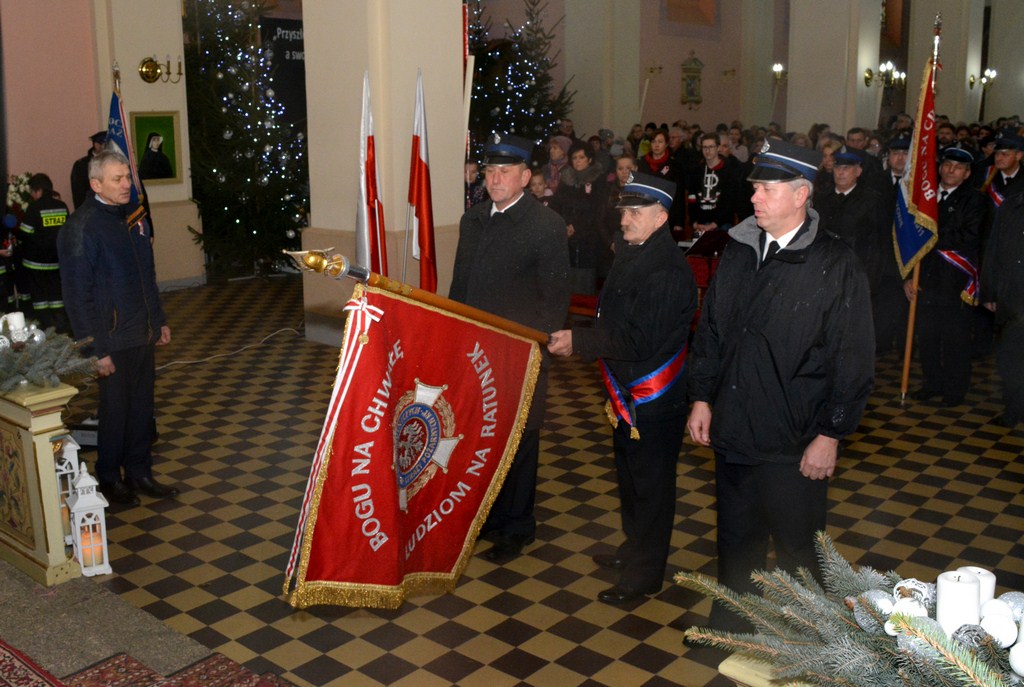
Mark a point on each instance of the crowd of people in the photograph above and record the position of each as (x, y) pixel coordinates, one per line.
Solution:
(807, 294)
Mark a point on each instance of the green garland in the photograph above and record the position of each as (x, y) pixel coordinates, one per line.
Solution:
(812, 636)
(43, 364)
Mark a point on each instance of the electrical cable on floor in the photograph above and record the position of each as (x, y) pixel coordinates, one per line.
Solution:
(235, 352)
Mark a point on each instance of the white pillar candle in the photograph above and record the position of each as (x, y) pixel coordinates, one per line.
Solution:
(15, 320)
(986, 578)
(957, 600)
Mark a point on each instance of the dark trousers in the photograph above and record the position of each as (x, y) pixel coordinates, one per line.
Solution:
(125, 433)
(944, 340)
(757, 503)
(1010, 363)
(646, 470)
(890, 307)
(512, 512)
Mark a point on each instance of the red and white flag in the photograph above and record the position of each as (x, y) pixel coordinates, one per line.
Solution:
(419, 435)
(421, 210)
(371, 247)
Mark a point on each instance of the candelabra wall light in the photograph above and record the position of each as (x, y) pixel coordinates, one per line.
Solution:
(151, 71)
(987, 77)
(779, 72)
(887, 76)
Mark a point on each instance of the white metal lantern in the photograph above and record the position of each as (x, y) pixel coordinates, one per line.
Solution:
(65, 459)
(89, 525)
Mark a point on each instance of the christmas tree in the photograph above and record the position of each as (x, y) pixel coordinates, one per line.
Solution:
(513, 91)
(836, 635)
(249, 169)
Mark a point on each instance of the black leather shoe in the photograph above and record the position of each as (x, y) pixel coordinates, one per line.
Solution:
(150, 487)
(609, 560)
(506, 547)
(952, 402)
(118, 492)
(618, 595)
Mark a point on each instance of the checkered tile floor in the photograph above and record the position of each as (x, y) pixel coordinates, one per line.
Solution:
(921, 490)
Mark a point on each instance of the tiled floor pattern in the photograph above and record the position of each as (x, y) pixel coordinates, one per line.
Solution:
(921, 490)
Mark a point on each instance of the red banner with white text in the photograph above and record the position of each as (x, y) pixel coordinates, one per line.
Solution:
(426, 414)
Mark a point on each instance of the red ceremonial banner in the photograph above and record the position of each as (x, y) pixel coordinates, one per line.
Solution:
(426, 414)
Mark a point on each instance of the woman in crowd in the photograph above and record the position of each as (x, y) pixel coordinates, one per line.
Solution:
(580, 200)
(558, 149)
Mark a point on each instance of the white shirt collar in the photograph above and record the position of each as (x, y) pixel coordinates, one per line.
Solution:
(495, 210)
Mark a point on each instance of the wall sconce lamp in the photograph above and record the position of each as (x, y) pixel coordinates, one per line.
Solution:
(887, 77)
(779, 72)
(987, 77)
(151, 71)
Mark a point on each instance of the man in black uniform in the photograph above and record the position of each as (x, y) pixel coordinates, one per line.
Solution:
(647, 305)
(513, 260)
(80, 190)
(857, 214)
(37, 250)
(784, 354)
(1002, 292)
(947, 287)
(712, 189)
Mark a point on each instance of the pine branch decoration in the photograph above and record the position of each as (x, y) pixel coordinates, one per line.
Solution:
(833, 634)
(44, 363)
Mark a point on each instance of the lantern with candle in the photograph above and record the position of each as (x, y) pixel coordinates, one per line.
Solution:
(65, 458)
(89, 525)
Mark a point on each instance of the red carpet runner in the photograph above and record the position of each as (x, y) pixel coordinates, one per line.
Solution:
(17, 670)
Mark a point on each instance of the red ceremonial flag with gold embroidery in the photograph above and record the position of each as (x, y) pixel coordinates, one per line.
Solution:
(425, 416)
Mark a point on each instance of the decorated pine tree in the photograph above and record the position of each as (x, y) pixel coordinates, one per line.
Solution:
(513, 91)
(249, 168)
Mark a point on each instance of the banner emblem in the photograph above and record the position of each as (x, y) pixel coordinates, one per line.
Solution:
(424, 439)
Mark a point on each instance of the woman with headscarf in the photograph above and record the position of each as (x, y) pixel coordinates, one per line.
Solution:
(154, 164)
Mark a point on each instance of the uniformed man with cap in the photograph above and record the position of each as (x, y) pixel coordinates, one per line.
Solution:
(646, 308)
(513, 260)
(1004, 175)
(780, 370)
(948, 285)
(80, 189)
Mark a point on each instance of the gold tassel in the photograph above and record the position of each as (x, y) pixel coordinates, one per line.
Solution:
(613, 419)
(634, 433)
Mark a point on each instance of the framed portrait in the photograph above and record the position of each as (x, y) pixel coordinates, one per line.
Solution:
(157, 143)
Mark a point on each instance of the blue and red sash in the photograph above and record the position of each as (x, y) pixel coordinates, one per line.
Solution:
(622, 405)
(970, 292)
(990, 188)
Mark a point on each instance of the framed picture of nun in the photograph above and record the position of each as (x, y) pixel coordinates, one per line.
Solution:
(156, 140)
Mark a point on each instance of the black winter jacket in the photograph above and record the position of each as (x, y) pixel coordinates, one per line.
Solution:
(786, 352)
(108, 279)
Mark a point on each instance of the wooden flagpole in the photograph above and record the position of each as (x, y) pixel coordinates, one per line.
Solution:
(911, 317)
(338, 267)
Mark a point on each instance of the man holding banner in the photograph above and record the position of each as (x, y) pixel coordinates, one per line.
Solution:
(513, 261)
(640, 335)
(948, 286)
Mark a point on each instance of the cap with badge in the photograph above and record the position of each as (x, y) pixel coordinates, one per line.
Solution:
(899, 143)
(847, 157)
(99, 137)
(1007, 139)
(780, 161)
(646, 189)
(505, 149)
(954, 154)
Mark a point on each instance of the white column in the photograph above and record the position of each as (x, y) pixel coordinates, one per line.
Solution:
(757, 54)
(960, 54)
(602, 54)
(392, 40)
(1006, 94)
(829, 49)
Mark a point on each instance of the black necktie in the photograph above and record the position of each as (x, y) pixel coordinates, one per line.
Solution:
(895, 180)
(943, 194)
(773, 248)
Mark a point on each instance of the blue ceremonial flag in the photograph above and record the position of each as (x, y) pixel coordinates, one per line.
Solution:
(118, 138)
(916, 221)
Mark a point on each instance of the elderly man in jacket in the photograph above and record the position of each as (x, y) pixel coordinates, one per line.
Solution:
(780, 370)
